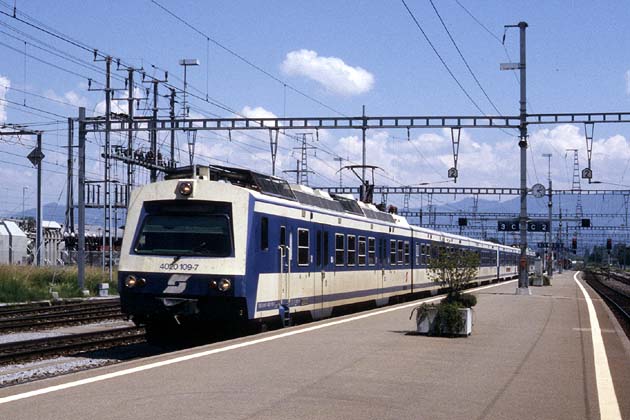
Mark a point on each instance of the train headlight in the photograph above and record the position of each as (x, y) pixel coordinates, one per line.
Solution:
(224, 285)
(185, 188)
(131, 281)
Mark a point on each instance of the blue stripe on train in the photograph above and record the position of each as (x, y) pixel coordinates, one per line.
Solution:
(336, 297)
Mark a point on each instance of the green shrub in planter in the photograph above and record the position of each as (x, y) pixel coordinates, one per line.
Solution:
(442, 319)
(448, 320)
(461, 299)
(454, 268)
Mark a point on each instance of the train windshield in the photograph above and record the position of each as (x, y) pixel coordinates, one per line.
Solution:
(177, 230)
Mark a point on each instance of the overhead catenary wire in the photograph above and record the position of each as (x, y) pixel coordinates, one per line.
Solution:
(245, 60)
(448, 69)
(470, 70)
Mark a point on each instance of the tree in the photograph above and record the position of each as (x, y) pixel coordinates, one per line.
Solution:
(454, 268)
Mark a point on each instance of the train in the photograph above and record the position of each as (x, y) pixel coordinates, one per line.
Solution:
(219, 245)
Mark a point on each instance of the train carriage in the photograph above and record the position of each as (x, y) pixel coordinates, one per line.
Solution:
(221, 244)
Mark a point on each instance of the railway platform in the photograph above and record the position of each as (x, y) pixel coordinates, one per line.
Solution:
(557, 354)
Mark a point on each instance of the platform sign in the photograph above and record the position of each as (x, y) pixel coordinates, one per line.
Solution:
(508, 225)
(532, 226)
(538, 226)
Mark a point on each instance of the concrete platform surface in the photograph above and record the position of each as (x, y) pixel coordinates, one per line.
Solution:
(529, 357)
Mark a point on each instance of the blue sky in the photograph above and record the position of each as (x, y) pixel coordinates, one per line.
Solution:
(345, 55)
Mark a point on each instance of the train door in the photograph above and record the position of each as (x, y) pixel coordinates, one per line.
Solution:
(382, 263)
(320, 280)
(286, 257)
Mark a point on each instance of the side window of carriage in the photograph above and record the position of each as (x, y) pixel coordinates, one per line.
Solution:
(371, 251)
(392, 252)
(264, 234)
(352, 249)
(362, 250)
(339, 249)
(303, 246)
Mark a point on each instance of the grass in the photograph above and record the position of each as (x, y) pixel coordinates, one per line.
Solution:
(20, 283)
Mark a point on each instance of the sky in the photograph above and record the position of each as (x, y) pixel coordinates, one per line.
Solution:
(325, 58)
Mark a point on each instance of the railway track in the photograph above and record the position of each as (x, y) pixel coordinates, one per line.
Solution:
(615, 295)
(19, 318)
(21, 351)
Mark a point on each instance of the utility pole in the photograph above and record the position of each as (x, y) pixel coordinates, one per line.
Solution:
(70, 180)
(363, 156)
(192, 134)
(303, 169)
(549, 252)
(81, 215)
(172, 115)
(130, 166)
(153, 133)
(523, 280)
(39, 236)
(107, 234)
(340, 160)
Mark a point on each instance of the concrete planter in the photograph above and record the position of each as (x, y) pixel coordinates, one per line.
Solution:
(425, 321)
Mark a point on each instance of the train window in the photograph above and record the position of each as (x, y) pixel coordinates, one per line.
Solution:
(264, 234)
(325, 248)
(303, 239)
(352, 250)
(339, 249)
(283, 235)
(407, 256)
(362, 250)
(392, 252)
(417, 254)
(400, 252)
(318, 246)
(371, 251)
(423, 252)
(178, 233)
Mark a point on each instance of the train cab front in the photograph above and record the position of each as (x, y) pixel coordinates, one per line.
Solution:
(179, 262)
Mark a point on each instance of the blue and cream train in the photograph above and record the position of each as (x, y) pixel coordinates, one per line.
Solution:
(217, 244)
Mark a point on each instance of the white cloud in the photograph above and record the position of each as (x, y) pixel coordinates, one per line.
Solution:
(331, 72)
(70, 97)
(257, 112)
(5, 84)
(118, 107)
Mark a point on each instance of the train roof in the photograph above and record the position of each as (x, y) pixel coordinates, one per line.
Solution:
(278, 187)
